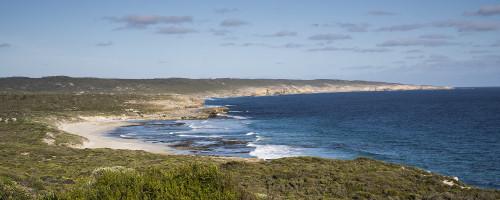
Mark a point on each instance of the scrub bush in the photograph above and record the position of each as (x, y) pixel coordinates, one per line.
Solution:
(194, 181)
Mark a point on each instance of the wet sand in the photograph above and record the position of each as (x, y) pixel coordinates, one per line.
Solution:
(94, 131)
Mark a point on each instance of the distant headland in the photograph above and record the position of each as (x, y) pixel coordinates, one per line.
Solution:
(220, 87)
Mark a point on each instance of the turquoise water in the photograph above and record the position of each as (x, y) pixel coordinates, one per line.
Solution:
(451, 132)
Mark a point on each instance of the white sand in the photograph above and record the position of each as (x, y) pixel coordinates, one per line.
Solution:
(94, 131)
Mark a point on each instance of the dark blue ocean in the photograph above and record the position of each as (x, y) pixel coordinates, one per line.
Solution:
(450, 132)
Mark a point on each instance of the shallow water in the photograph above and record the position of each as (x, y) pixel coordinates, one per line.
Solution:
(451, 132)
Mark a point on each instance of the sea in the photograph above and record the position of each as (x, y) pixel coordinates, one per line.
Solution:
(450, 132)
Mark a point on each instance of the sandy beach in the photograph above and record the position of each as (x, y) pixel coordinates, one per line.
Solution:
(94, 131)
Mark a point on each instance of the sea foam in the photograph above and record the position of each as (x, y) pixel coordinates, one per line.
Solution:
(233, 116)
(273, 151)
(202, 136)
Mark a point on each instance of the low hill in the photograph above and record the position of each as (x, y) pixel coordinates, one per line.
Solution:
(198, 87)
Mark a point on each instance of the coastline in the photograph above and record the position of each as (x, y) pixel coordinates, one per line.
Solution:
(308, 89)
(94, 130)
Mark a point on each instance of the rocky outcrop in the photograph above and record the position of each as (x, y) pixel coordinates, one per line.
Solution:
(186, 113)
(184, 107)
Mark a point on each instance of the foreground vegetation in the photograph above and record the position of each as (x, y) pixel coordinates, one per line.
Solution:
(32, 168)
(194, 181)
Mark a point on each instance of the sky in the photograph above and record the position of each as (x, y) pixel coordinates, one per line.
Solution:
(446, 42)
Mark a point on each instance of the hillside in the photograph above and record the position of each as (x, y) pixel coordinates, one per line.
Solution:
(198, 87)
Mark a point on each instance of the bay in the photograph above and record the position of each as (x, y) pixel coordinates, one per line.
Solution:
(451, 132)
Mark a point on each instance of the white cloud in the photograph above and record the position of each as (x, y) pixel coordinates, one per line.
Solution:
(413, 51)
(462, 25)
(225, 10)
(369, 50)
(247, 44)
(380, 13)
(104, 44)
(374, 50)
(479, 51)
(496, 44)
(175, 30)
(284, 33)
(415, 57)
(233, 22)
(292, 45)
(485, 11)
(330, 37)
(401, 27)
(436, 36)
(228, 44)
(437, 58)
(415, 42)
(324, 49)
(220, 32)
(354, 27)
(143, 21)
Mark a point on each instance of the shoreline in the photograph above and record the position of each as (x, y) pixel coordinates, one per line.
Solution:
(94, 130)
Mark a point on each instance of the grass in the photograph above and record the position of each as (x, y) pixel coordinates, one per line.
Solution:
(32, 169)
(362, 178)
(70, 105)
(11, 190)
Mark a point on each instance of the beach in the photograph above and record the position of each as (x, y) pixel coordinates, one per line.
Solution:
(94, 130)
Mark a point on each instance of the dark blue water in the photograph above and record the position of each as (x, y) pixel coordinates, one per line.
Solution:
(451, 132)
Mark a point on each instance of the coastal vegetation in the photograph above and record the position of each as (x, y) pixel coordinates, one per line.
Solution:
(193, 181)
(64, 84)
(196, 87)
(38, 161)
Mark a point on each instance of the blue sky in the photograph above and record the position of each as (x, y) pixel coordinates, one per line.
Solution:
(455, 43)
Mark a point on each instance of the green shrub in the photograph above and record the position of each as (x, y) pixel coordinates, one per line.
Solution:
(11, 190)
(195, 181)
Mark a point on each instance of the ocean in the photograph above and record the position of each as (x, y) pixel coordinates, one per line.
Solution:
(450, 132)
